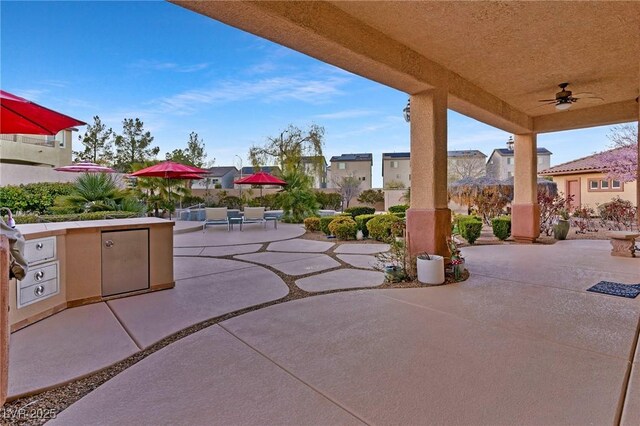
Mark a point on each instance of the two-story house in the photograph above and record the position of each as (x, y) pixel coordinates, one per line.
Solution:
(396, 167)
(221, 177)
(354, 165)
(316, 167)
(501, 162)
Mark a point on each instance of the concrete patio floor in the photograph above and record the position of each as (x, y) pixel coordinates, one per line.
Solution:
(520, 342)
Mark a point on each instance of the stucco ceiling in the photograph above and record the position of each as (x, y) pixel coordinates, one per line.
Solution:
(496, 59)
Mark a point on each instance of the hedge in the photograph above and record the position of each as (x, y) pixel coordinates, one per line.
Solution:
(401, 215)
(401, 208)
(501, 227)
(33, 197)
(324, 224)
(380, 227)
(32, 218)
(312, 224)
(470, 228)
(343, 227)
(361, 221)
(360, 210)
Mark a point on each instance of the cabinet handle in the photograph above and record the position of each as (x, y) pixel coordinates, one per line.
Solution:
(39, 290)
(39, 246)
(39, 275)
(108, 243)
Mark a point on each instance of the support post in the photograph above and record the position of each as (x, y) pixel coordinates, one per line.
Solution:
(429, 218)
(4, 318)
(525, 211)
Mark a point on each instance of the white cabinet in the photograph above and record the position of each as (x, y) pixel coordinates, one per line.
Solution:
(42, 281)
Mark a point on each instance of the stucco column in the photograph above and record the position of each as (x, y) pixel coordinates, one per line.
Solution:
(525, 211)
(428, 218)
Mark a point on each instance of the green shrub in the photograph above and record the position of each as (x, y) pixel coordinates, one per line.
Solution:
(324, 224)
(380, 227)
(22, 219)
(328, 200)
(401, 215)
(361, 221)
(401, 208)
(360, 210)
(470, 228)
(33, 197)
(501, 227)
(312, 224)
(230, 202)
(343, 227)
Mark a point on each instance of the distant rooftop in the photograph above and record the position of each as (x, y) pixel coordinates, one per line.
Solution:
(459, 153)
(507, 151)
(269, 169)
(221, 171)
(353, 157)
(313, 158)
(584, 164)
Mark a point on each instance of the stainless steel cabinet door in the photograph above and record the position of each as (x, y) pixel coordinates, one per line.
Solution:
(125, 261)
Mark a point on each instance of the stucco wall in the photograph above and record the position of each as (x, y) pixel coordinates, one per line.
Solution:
(593, 198)
(400, 174)
(37, 151)
(356, 169)
(15, 174)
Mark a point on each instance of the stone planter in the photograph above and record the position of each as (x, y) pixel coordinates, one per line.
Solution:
(430, 270)
(561, 230)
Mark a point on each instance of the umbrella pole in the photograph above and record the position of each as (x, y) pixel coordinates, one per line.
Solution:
(169, 185)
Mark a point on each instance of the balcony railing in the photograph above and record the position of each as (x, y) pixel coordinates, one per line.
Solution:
(26, 139)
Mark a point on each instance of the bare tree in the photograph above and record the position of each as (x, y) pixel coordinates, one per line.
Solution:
(348, 187)
(462, 167)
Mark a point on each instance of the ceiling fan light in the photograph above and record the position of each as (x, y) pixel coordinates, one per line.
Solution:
(563, 106)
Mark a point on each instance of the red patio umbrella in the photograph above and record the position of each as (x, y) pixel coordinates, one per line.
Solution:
(170, 170)
(85, 167)
(19, 115)
(260, 178)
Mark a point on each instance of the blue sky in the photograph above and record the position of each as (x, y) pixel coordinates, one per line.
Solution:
(180, 72)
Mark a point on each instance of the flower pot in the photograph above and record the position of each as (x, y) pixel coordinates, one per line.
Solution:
(431, 271)
(561, 229)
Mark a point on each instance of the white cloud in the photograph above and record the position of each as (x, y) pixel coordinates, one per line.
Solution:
(349, 113)
(167, 66)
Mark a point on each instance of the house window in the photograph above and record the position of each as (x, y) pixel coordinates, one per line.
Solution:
(540, 160)
(611, 185)
(509, 174)
(342, 166)
(509, 160)
(394, 164)
(63, 139)
(362, 178)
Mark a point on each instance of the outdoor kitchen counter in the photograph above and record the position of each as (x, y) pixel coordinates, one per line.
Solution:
(72, 265)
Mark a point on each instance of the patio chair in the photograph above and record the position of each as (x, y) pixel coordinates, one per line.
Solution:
(254, 215)
(216, 216)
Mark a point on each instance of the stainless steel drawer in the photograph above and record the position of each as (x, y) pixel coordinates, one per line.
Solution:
(40, 250)
(40, 273)
(37, 292)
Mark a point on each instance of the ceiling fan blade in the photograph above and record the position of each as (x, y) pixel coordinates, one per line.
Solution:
(541, 105)
(547, 100)
(583, 94)
(591, 97)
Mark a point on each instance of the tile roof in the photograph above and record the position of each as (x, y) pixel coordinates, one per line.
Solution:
(221, 170)
(459, 153)
(507, 151)
(353, 157)
(584, 164)
(269, 169)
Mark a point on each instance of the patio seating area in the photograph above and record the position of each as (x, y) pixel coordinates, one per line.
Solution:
(527, 336)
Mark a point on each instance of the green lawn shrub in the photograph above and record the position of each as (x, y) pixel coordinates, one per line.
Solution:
(328, 200)
(324, 224)
(360, 210)
(470, 227)
(343, 227)
(35, 198)
(361, 221)
(400, 208)
(401, 215)
(312, 224)
(32, 218)
(501, 227)
(380, 227)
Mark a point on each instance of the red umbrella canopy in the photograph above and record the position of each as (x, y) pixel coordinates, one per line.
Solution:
(260, 178)
(18, 115)
(170, 170)
(85, 167)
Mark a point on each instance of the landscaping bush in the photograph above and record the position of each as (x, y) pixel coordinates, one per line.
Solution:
(371, 196)
(617, 214)
(361, 221)
(358, 211)
(312, 224)
(324, 224)
(470, 228)
(22, 219)
(192, 200)
(230, 202)
(401, 208)
(33, 197)
(328, 200)
(501, 227)
(401, 215)
(380, 227)
(343, 227)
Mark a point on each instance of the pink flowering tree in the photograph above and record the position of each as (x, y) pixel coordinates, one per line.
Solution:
(621, 162)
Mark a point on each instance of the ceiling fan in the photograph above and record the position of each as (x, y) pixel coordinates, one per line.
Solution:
(565, 98)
